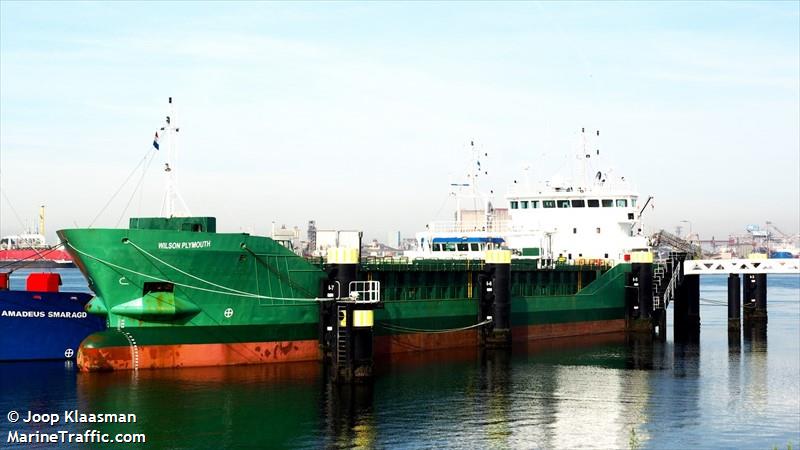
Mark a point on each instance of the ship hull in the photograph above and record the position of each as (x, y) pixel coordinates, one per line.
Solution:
(43, 325)
(97, 356)
(228, 299)
(36, 258)
(93, 357)
(153, 348)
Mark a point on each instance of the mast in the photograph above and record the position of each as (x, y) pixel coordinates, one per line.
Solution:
(460, 190)
(584, 157)
(41, 220)
(172, 197)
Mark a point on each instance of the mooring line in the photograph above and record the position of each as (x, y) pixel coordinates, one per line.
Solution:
(233, 292)
(421, 330)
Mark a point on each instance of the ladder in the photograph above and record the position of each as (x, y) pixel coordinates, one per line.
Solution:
(667, 277)
(659, 271)
(341, 337)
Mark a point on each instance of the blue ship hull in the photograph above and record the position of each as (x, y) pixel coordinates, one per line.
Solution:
(44, 325)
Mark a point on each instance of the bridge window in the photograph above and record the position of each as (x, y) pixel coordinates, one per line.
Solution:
(563, 203)
(534, 204)
(514, 205)
(196, 227)
(622, 203)
(437, 247)
(548, 203)
(608, 203)
(450, 246)
(578, 204)
(474, 247)
(633, 202)
(593, 203)
(523, 204)
(463, 247)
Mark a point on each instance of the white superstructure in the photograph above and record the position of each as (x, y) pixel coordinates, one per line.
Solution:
(27, 240)
(21, 241)
(591, 216)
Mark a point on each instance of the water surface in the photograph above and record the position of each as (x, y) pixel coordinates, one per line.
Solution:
(601, 392)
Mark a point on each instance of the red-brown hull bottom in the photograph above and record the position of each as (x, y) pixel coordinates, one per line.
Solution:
(556, 330)
(198, 355)
(195, 355)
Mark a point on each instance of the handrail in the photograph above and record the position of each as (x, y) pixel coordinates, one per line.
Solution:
(365, 291)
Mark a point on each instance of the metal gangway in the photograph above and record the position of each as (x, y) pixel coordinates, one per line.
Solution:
(664, 239)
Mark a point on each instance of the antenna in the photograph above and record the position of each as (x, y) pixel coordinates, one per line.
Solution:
(598, 140)
(582, 162)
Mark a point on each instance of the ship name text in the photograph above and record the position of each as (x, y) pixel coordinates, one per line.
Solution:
(44, 314)
(183, 245)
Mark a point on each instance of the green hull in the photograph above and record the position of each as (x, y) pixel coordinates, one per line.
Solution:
(170, 286)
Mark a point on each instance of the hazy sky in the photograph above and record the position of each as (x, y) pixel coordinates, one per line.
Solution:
(358, 114)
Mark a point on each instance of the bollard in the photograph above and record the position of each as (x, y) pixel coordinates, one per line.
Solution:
(645, 278)
(748, 296)
(641, 286)
(497, 289)
(692, 292)
(760, 312)
(734, 300)
(350, 338)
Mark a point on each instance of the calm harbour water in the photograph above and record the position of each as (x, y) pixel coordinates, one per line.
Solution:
(602, 392)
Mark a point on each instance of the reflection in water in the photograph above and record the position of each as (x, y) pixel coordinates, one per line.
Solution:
(587, 405)
(558, 393)
(755, 336)
(755, 365)
(734, 369)
(645, 353)
(495, 382)
(266, 405)
(735, 341)
(349, 417)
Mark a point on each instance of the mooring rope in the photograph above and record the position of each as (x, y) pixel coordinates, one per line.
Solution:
(113, 196)
(421, 330)
(233, 292)
(713, 302)
(150, 255)
(34, 256)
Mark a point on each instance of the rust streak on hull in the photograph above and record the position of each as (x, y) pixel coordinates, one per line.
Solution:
(196, 355)
(199, 355)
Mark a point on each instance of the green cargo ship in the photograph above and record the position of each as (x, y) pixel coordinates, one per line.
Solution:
(178, 294)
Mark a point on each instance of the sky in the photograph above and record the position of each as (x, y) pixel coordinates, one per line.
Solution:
(358, 115)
